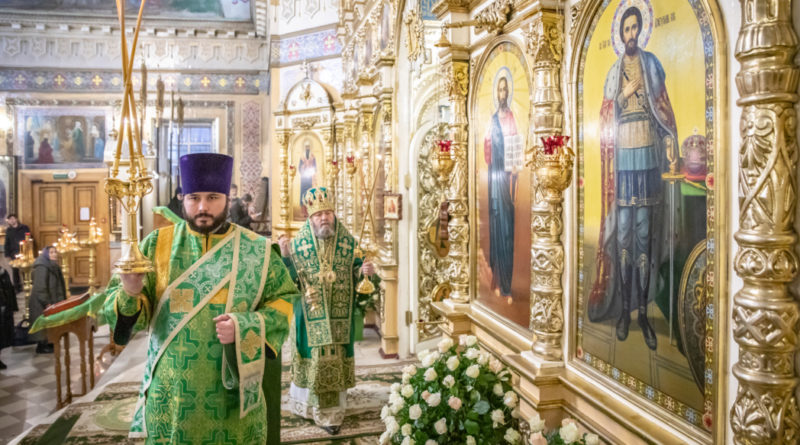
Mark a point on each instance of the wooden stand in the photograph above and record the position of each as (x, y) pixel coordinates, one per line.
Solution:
(84, 330)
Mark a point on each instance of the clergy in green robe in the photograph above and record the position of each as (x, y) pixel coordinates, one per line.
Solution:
(322, 258)
(218, 303)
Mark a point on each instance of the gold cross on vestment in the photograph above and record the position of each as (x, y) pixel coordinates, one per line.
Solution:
(181, 300)
(251, 344)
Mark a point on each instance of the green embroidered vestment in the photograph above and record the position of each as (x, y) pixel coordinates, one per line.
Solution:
(194, 391)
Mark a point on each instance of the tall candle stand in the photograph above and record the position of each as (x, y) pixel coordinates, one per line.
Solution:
(130, 188)
(66, 246)
(24, 262)
(94, 238)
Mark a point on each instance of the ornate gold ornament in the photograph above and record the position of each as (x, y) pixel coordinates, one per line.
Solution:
(415, 37)
(765, 312)
(306, 123)
(552, 175)
(433, 250)
(492, 18)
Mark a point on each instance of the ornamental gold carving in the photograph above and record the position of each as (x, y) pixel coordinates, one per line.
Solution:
(457, 86)
(305, 123)
(765, 313)
(414, 34)
(492, 18)
(433, 249)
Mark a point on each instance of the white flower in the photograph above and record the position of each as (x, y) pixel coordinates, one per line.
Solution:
(407, 441)
(510, 399)
(472, 353)
(471, 440)
(473, 371)
(394, 398)
(592, 439)
(391, 426)
(406, 429)
(449, 381)
(468, 340)
(498, 418)
(440, 426)
(398, 405)
(569, 433)
(512, 436)
(407, 391)
(425, 395)
(434, 399)
(483, 358)
(452, 363)
(410, 369)
(515, 413)
(384, 439)
(494, 365)
(384, 412)
(454, 402)
(498, 390)
(406, 378)
(430, 359)
(430, 375)
(445, 344)
(430, 442)
(414, 412)
(504, 375)
(536, 423)
(395, 387)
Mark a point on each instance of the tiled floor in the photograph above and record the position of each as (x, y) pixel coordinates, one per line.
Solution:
(28, 386)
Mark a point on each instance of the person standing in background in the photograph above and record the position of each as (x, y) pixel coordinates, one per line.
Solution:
(48, 288)
(15, 232)
(8, 305)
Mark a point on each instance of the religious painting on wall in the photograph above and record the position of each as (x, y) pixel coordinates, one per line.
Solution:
(307, 161)
(236, 10)
(52, 137)
(500, 121)
(647, 126)
(8, 186)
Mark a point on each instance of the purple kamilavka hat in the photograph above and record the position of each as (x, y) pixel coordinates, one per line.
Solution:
(206, 172)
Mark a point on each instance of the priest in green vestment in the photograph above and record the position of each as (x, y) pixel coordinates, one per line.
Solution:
(323, 260)
(218, 304)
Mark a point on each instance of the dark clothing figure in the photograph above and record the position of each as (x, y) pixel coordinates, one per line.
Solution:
(48, 288)
(45, 153)
(239, 214)
(13, 236)
(175, 204)
(8, 305)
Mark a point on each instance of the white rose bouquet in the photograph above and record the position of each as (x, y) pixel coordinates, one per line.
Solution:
(458, 395)
(566, 435)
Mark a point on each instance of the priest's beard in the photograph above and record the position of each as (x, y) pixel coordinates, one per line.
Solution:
(216, 223)
(324, 231)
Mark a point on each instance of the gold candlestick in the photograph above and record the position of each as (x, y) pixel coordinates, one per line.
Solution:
(24, 262)
(66, 246)
(131, 189)
(95, 237)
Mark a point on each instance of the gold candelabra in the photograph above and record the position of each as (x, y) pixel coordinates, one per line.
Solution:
(24, 262)
(66, 246)
(443, 164)
(95, 237)
(130, 189)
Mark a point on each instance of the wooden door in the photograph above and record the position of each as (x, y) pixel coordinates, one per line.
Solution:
(72, 203)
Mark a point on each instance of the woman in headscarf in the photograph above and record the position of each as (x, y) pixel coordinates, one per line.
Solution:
(48, 288)
(8, 305)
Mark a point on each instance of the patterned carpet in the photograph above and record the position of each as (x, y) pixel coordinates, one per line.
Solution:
(106, 419)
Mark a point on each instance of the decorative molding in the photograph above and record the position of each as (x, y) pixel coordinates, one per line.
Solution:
(415, 39)
(765, 311)
(305, 123)
(309, 46)
(107, 81)
(250, 164)
(491, 18)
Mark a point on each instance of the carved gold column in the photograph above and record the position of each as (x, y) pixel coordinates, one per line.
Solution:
(338, 179)
(544, 45)
(366, 151)
(350, 193)
(765, 313)
(388, 248)
(456, 74)
(283, 140)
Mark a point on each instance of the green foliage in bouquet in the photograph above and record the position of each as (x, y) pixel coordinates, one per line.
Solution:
(459, 395)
